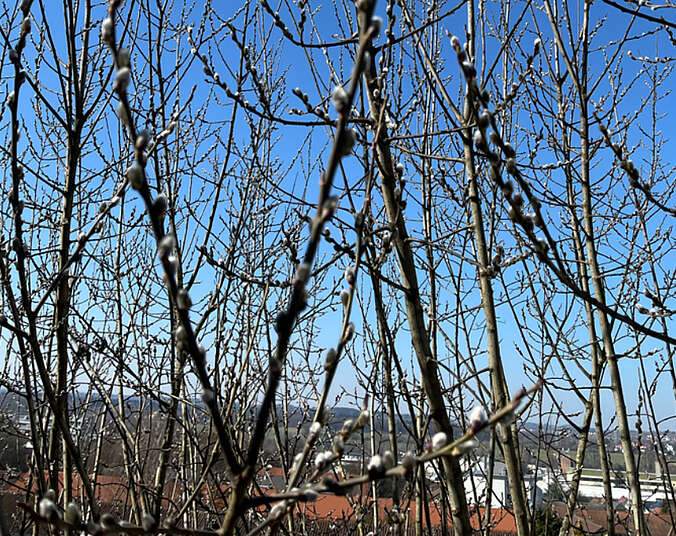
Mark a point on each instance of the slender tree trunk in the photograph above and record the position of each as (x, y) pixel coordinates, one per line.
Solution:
(579, 464)
(409, 280)
(606, 335)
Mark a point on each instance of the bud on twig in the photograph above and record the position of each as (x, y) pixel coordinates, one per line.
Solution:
(107, 27)
(439, 440)
(135, 175)
(122, 79)
(376, 466)
(477, 418)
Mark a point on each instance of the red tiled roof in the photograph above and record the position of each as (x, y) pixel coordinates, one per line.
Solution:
(113, 489)
(108, 489)
(593, 520)
(333, 507)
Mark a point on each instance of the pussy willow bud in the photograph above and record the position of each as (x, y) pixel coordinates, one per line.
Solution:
(122, 79)
(338, 444)
(376, 466)
(183, 301)
(25, 26)
(322, 460)
(123, 57)
(344, 297)
(315, 428)
(484, 119)
(349, 332)
(350, 275)
(148, 523)
(330, 359)
(408, 461)
(439, 440)
(339, 98)
(208, 396)
(166, 245)
(108, 521)
(122, 114)
(303, 272)
(329, 207)
(455, 43)
(348, 142)
(362, 419)
(388, 459)
(47, 509)
(107, 27)
(642, 309)
(181, 335)
(135, 175)
(477, 418)
(469, 70)
(73, 514)
(160, 206)
(142, 139)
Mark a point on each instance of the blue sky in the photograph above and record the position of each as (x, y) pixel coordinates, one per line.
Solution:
(298, 173)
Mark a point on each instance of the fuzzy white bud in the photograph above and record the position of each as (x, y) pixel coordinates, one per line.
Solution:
(73, 514)
(122, 79)
(183, 300)
(148, 523)
(362, 419)
(439, 440)
(26, 26)
(376, 466)
(339, 98)
(408, 461)
(477, 417)
(135, 176)
(166, 245)
(330, 359)
(388, 459)
(122, 114)
(107, 27)
(315, 428)
(350, 275)
(123, 57)
(47, 509)
(344, 297)
(349, 139)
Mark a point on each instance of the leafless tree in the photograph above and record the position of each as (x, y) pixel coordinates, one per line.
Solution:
(223, 223)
